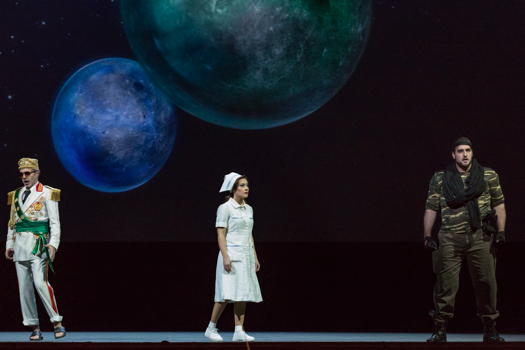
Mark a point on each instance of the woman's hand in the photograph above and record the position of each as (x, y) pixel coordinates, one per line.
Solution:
(257, 265)
(9, 253)
(227, 263)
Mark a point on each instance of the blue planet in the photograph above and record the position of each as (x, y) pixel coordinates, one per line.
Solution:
(112, 129)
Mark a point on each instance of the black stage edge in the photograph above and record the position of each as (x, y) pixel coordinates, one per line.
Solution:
(307, 287)
(261, 345)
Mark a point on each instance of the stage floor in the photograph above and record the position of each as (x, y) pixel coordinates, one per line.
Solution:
(267, 337)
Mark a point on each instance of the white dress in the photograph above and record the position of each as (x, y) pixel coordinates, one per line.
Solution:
(240, 284)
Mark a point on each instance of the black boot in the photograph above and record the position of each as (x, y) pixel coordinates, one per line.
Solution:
(490, 334)
(440, 333)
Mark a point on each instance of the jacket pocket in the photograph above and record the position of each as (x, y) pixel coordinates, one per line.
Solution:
(235, 254)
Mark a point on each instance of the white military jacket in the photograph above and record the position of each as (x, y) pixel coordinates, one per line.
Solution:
(40, 205)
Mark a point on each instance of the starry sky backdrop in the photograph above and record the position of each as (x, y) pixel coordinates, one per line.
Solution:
(355, 170)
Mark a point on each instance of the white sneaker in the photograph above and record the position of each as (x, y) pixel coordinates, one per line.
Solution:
(242, 336)
(213, 334)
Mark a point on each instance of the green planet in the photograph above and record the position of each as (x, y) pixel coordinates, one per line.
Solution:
(248, 64)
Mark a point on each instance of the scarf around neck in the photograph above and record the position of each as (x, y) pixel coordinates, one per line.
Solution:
(458, 194)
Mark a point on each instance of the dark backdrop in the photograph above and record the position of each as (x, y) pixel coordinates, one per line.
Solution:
(327, 287)
(338, 196)
(355, 170)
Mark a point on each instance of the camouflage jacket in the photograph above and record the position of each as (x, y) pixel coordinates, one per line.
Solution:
(457, 220)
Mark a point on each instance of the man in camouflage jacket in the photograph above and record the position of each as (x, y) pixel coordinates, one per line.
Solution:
(465, 235)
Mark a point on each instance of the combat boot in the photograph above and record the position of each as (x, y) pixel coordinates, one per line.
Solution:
(490, 334)
(440, 333)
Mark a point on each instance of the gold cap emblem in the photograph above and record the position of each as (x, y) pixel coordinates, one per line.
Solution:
(30, 163)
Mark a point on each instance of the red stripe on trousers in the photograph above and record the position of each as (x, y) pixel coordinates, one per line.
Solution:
(52, 296)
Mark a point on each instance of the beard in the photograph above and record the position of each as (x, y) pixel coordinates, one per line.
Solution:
(462, 166)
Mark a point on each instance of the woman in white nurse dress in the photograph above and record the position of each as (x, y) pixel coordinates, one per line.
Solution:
(236, 278)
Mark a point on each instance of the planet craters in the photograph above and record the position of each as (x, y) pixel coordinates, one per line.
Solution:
(112, 128)
(248, 64)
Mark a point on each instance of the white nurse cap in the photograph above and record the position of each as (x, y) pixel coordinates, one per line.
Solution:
(229, 181)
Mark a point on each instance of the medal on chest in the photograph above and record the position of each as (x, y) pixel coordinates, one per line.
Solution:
(38, 206)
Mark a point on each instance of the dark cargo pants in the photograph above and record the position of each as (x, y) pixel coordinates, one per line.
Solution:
(474, 248)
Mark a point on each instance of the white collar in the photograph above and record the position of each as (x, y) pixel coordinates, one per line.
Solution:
(32, 188)
(237, 205)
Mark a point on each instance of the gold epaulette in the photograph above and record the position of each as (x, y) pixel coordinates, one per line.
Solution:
(10, 197)
(55, 193)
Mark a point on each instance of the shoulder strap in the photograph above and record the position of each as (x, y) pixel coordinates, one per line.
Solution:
(55, 193)
(10, 197)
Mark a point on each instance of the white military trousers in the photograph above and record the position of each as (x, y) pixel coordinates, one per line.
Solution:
(33, 274)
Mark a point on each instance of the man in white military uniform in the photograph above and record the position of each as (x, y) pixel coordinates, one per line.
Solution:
(33, 237)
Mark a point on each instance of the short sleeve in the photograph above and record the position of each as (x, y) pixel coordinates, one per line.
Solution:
(434, 193)
(496, 193)
(223, 214)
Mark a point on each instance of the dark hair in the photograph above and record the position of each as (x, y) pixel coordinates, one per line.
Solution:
(234, 188)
